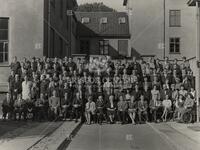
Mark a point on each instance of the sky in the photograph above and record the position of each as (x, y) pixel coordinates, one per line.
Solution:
(116, 4)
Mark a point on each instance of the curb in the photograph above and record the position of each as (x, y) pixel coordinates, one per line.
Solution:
(183, 133)
(65, 143)
(166, 138)
(48, 134)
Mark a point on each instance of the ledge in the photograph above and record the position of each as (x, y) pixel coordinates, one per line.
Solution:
(4, 65)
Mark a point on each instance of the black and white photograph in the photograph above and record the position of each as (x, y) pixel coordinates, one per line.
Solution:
(99, 74)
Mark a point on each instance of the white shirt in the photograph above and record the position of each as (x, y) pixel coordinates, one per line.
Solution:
(90, 106)
(167, 103)
(26, 90)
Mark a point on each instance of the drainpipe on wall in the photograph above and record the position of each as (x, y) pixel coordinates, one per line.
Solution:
(164, 26)
(197, 57)
(49, 28)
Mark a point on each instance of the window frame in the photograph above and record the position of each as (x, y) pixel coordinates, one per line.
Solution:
(122, 20)
(5, 42)
(176, 19)
(104, 20)
(174, 44)
(102, 47)
(85, 20)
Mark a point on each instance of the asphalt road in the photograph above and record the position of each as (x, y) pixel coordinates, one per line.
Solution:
(118, 137)
(130, 137)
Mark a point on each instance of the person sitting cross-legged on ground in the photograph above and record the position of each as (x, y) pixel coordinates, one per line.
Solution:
(90, 110)
(167, 104)
(132, 108)
(142, 109)
(122, 107)
(54, 104)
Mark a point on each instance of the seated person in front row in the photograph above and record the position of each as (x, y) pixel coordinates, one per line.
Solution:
(40, 108)
(54, 104)
(100, 109)
(132, 108)
(167, 104)
(142, 109)
(90, 110)
(111, 108)
(76, 106)
(65, 106)
(20, 108)
(188, 105)
(6, 106)
(122, 107)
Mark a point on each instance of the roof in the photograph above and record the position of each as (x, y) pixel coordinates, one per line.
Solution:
(96, 29)
(192, 2)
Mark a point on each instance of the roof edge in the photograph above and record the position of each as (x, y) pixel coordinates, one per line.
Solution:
(127, 36)
(192, 2)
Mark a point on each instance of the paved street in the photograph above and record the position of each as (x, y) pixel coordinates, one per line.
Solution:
(130, 137)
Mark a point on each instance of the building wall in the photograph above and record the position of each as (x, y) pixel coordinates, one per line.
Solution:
(187, 31)
(25, 27)
(25, 30)
(113, 46)
(61, 26)
(147, 27)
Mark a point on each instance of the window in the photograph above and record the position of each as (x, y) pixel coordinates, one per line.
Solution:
(174, 18)
(85, 20)
(104, 20)
(61, 9)
(122, 20)
(104, 47)
(4, 40)
(174, 45)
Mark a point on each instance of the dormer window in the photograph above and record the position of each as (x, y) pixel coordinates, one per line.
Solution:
(122, 20)
(104, 20)
(85, 20)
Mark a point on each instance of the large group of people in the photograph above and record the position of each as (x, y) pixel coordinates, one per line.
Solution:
(99, 90)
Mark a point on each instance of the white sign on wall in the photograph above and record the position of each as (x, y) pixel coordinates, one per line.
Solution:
(161, 46)
(38, 46)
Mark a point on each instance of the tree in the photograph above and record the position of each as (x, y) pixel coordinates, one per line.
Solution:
(95, 7)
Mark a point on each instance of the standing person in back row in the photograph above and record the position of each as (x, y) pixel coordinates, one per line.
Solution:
(26, 88)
